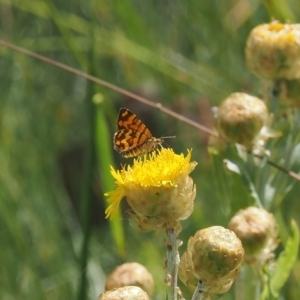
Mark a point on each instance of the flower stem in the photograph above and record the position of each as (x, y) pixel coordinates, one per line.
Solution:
(199, 294)
(248, 285)
(173, 260)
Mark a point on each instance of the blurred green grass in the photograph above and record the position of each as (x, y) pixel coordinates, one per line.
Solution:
(188, 55)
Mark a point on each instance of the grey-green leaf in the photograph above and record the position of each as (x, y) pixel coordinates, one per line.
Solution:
(286, 261)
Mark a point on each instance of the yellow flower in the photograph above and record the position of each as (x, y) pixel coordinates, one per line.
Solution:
(157, 188)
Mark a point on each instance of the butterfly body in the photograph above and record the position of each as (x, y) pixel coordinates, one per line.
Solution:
(133, 138)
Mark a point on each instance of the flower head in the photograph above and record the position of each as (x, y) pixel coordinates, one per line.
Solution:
(244, 119)
(214, 256)
(130, 274)
(157, 188)
(240, 117)
(258, 231)
(273, 51)
(125, 293)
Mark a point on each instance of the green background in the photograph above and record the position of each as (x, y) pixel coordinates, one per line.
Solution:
(56, 143)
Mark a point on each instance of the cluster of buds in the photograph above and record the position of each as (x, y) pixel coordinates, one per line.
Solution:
(272, 53)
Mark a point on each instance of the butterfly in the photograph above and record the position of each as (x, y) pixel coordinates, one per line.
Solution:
(133, 138)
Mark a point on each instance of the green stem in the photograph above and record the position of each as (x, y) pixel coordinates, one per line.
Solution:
(199, 294)
(173, 260)
(247, 284)
(279, 10)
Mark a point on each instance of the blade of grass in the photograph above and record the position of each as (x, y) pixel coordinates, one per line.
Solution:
(86, 193)
(279, 10)
(105, 159)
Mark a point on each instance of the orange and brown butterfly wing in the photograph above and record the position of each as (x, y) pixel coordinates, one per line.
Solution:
(132, 134)
(128, 120)
(127, 139)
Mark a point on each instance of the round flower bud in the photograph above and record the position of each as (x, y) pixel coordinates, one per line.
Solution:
(213, 257)
(273, 51)
(258, 231)
(125, 293)
(130, 274)
(240, 117)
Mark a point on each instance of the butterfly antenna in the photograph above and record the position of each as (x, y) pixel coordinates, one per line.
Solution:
(169, 137)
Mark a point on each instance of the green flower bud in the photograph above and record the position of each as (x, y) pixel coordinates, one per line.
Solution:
(273, 51)
(240, 118)
(130, 274)
(125, 293)
(213, 257)
(258, 231)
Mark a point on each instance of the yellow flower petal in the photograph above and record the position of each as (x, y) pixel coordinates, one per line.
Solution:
(114, 199)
